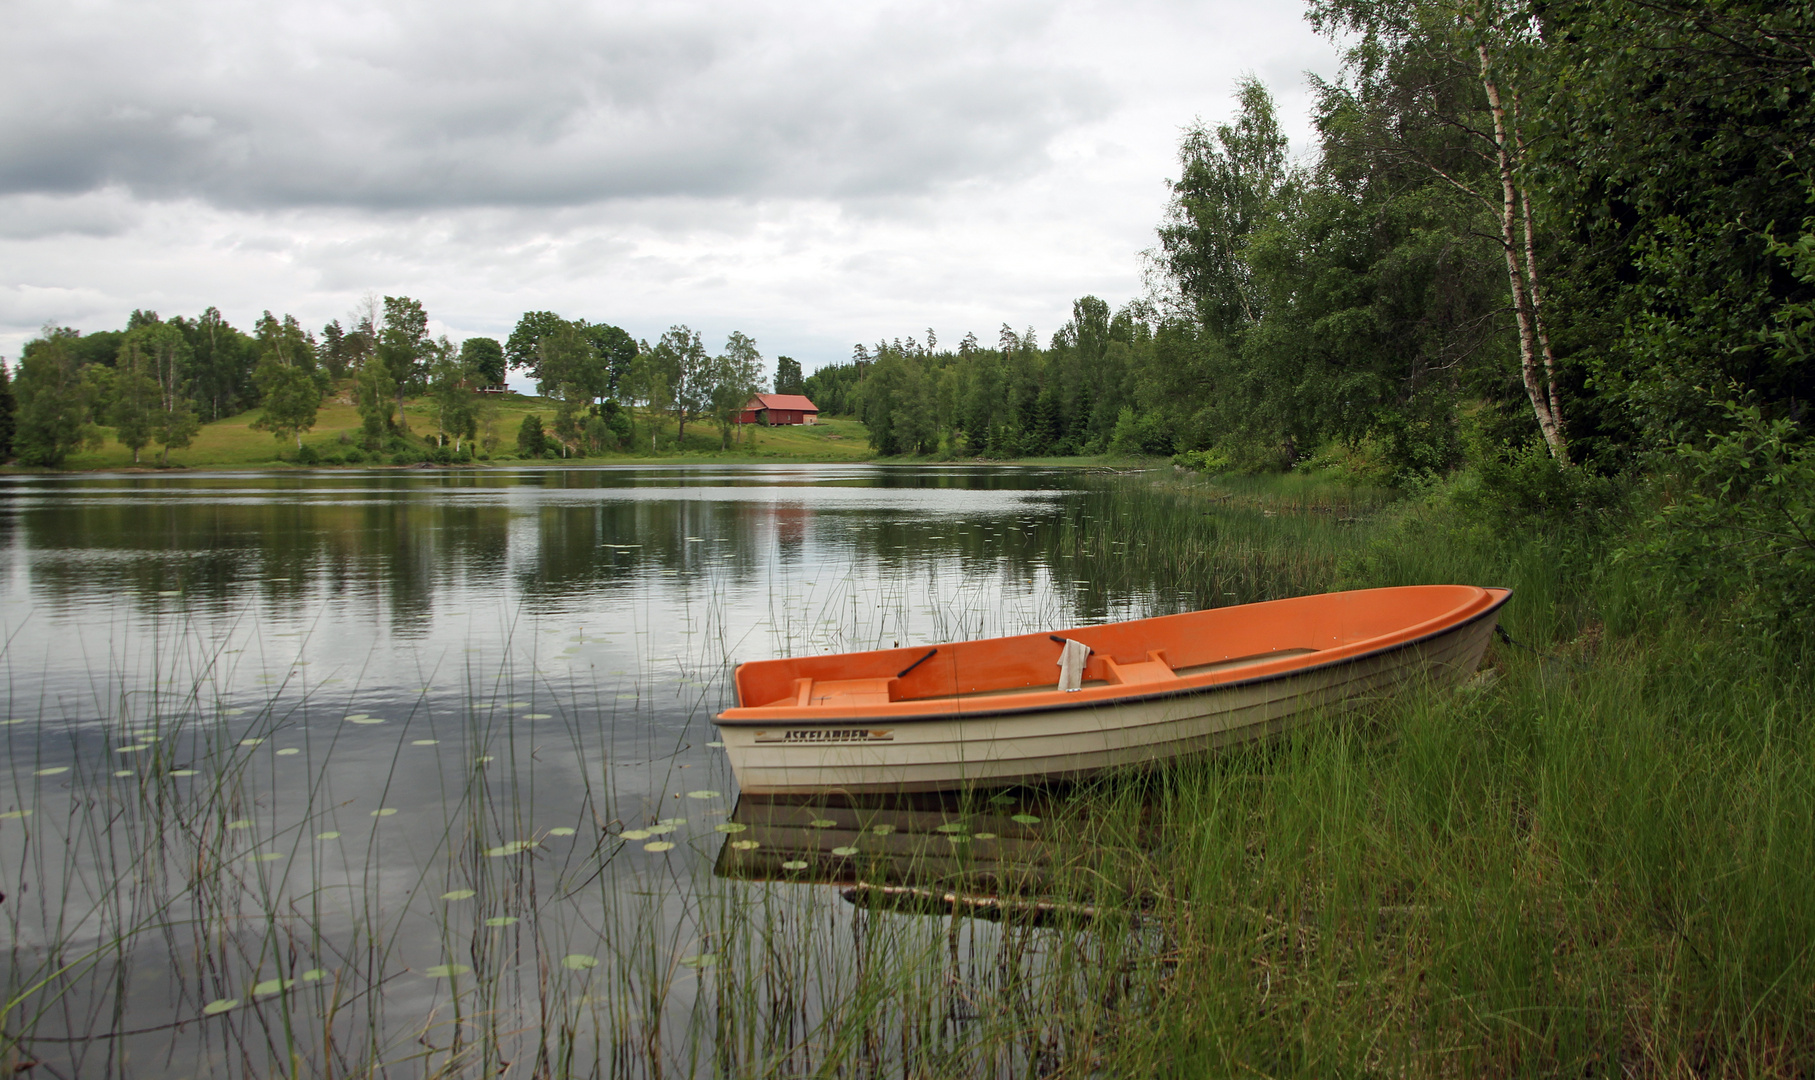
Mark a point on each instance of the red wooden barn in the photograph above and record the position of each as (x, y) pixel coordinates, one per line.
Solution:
(775, 409)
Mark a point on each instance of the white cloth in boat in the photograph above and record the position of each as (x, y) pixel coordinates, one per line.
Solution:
(1071, 664)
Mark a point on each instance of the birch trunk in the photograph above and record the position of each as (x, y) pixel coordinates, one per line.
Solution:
(1534, 343)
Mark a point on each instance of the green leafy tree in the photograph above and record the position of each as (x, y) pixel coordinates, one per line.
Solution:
(531, 441)
(376, 392)
(520, 347)
(452, 385)
(9, 420)
(404, 345)
(292, 400)
(53, 421)
(176, 427)
(736, 377)
(136, 407)
(485, 358)
(685, 373)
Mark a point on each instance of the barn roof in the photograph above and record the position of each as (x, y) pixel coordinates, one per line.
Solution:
(783, 401)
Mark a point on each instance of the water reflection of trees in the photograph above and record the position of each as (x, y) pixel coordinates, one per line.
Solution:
(397, 541)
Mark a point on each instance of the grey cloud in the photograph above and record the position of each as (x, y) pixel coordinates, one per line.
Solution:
(262, 106)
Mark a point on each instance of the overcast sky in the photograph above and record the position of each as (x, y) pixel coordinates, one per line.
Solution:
(813, 174)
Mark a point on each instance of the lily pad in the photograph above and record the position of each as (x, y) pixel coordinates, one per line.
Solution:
(560, 830)
(424, 742)
(272, 986)
(538, 716)
(984, 836)
(579, 962)
(822, 823)
(250, 742)
(671, 821)
(241, 823)
(445, 971)
(288, 751)
(704, 795)
(133, 749)
(703, 960)
(356, 716)
(515, 847)
(124, 772)
(501, 920)
(715, 744)
(331, 834)
(314, 974)
(844, 851)
(367, 721)
(746, 845)
(883, 830)
(794, 864)
(52, 771)
(658, 845)
(182, 772)
(730, 826)
(459, 894)
(14, 815)
(636, 834)
(219, 1006)
(384, 811)
(952, 827)
(1025, 819)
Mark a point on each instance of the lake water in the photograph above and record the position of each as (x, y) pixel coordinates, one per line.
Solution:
(414, 770)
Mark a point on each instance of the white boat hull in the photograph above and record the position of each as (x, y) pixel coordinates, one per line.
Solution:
(942, 753)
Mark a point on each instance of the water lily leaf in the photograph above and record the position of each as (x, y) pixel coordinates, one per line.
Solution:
(658, 845)
(288, 751)
(331, 834)
(1025, 819)
(794, 864)
(272, 986)
(952, 827)
(459, 894)
(219, 1006)
(124, 772)
(560, 830)
(367, 721)
(730, 826)
(659, 830)
(703, 960)
(579, 961)
(384, 811)
(314, 974)
(636, 834)
(671, 821)
(719, 744)
(746, 845)
(424, 742)
(241, 823)
(844, 851)
(356, 716)
(957, 838)
(445, 971)
(501, 920)
(822, 823)
(133, 749)
(14, 815)
(250, 742)
(182, 772)
(538, 716)
(985, 836)
(52, 771)
(703, 795)
(515, 847)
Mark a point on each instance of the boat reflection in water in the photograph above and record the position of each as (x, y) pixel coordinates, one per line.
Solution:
(985, 856)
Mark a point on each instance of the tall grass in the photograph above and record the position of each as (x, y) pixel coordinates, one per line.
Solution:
(1601, 861)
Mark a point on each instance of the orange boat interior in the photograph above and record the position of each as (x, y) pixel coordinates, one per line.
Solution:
(1127, 659)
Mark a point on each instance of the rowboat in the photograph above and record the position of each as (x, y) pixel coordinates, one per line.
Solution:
(1033, 707)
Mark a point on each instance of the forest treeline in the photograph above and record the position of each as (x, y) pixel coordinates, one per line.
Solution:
(1579, 227)
(158, 380)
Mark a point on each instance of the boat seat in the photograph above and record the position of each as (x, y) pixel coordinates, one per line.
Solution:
(843, 692)
(1153, 669)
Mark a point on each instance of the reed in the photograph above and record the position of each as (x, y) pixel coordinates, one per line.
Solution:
(1600, 860)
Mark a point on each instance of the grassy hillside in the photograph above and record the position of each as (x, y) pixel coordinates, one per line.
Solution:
(232, 442)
